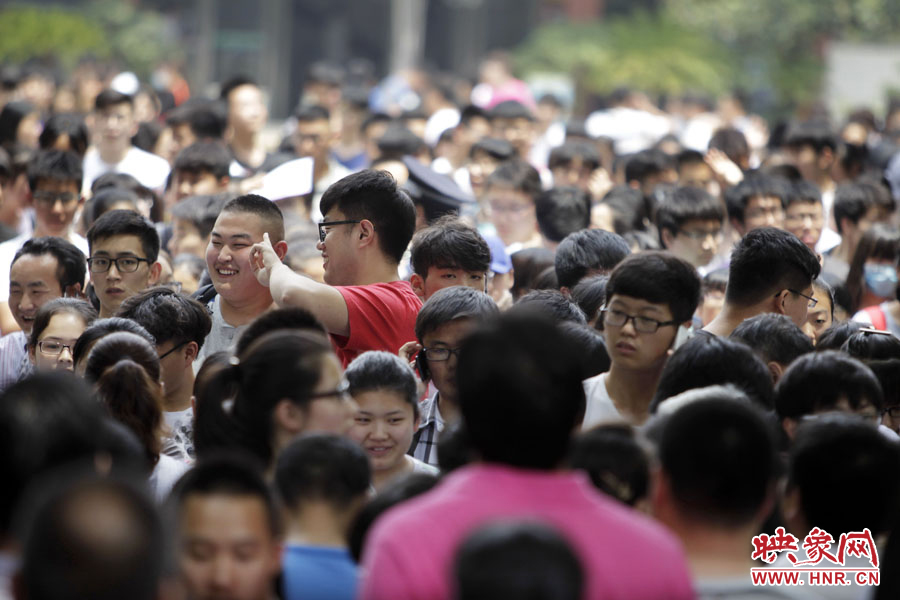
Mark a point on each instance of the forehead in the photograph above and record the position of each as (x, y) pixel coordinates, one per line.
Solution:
(507, 194)
(381, 400)
(450, 332)
(226, 514)
(56, 185)
(316, 126)
(705, 224)
(801, 206)
(34, 267)
(233, 223)
(118, 244)
(119, 108)
(245, 93)
(640, 305)
(764, 201)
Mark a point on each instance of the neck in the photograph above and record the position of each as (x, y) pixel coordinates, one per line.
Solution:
(376, 271)
(107, 312)
(845, 250)
(241, 313)
(40, 231)
(449, 408)
(384, 476)
(730, 317)
(113, 155)
(320, 168)
(631, 391)
(178, 397)
(715, 552)
(247, 148)
(317, 524)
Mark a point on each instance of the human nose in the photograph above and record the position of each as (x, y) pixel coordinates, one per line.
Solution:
(113, 271)
(222, 572)
(65, 357)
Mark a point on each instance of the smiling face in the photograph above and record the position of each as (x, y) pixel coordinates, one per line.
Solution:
(63, 329)
(32, 283)
(228, 256)
(339, 259)
(55, 204)
(115, 285)
(631, 349)
(384, 426)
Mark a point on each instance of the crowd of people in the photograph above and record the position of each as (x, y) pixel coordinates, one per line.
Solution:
(435, 338)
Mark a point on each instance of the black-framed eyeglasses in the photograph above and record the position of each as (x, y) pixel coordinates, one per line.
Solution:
(323, 231)
(440, 354)
(893, 412)
(812, 301)
(48, 198)
(124, 264)
(173, 349)
(341, 391)
(700, 236)
(54, 348)
(617, 318)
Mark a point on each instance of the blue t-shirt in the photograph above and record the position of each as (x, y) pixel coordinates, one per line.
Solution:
(316, 573)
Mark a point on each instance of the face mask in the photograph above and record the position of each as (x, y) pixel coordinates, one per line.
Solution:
(881, 279)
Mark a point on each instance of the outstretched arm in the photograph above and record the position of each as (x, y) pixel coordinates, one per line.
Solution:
(290, 289)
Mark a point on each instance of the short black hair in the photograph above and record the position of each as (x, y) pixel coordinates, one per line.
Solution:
(125, 222)
(233, 83)
(766, 260)
(518, 560)
(201, 211)
(326, 468)
(207, 119)
(110, 97)
(815, 133)
(517, 174)
(615, 461)
(378, 370)
(657, 277)
(774, 338)
(102, 327)
(563, 155)
(225, 475)
(754, 185)
(835, 336)
(803, 191)
(818, 381)
(74, 306)
(55, 165)
(70, 125)
(375, 195)
(588, 250)
(262, 208)
(629, 210)
(870, 344)
(103, 201)
(590, 344)
(590, 294)
(307, 113)
(71, 265)
(642, 165)
(510, 109)
(497, 149)
(449, 243)
(732, 142)
(707, 360)
(847, 473)
(287, 317)
(205, 156)
(550, 303)
(851, 201)
(720, 459)
(561, 211)
(168, 315)
(449, 304)
(685, 204)
(520, 366)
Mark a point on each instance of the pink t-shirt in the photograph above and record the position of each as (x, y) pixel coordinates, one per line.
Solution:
(626, 556)
(382, 316)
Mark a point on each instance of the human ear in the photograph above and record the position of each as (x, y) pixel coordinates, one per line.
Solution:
(417, 282)
(155, 271)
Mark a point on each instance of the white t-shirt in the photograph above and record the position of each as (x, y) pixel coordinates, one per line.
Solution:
(165, 474)
(8, 251)
(179, 444)
(599, 406)
(149, 169)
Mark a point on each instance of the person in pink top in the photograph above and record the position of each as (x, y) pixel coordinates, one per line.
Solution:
(521, 398)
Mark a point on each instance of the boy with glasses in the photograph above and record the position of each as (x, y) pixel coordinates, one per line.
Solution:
(123, 250)
(648, 297)
(689, 221)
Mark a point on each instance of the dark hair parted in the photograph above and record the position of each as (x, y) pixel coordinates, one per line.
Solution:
(518, 175)
(206, 156)
(707, 360)
(102, 327)
(109, 97)
(657, 277)
(720, 459)
(587, 251)
(235, 401)
(325, 468)
(55, 165)
(74, 306)
(377, 370)
(561, 211)
(754, 185)
(818, 381)
(449, 304)
(522, 368)
(125, 222)
(449, 243)
(765, 261)
(69, 125)
(551, 304)
(375, 196)
(201, 211)
(168, 315)
(685, 204)
(71, 265)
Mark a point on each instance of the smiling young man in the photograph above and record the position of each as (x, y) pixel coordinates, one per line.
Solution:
(235, 297)
(42, 270)
(363, 303)
(648, 296)
(123, 250)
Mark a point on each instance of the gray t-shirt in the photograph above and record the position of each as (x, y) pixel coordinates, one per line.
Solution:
(222, 336)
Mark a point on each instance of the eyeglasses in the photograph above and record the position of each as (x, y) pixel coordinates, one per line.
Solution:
(812, 301)
(509, 209)
(700, 236)
(124, 264)
(616, 318)
(893, 412)
(440, 354)
(173, 349)
(53, 348)
(49, 199)
(323, 231)
(340, 391)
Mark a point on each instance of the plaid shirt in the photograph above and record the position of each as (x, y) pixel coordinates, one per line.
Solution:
(424, 446)
(13, 358)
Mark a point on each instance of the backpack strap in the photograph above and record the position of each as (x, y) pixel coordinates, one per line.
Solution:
(879, 321)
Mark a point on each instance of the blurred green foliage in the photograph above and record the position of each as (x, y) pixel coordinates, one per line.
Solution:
(642, 50)
(105, 29)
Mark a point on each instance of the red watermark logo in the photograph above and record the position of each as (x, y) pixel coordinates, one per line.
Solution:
(823, 564)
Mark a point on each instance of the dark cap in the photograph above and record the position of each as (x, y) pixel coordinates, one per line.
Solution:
(437, 193)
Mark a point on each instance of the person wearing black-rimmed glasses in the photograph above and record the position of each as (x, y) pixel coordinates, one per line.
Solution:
(648, 297)
(122, 261)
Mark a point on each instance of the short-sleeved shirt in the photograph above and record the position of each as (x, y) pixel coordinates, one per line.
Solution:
(382, 316)
(317, 573)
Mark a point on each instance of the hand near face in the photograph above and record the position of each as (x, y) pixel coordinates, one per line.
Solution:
(263, 259)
